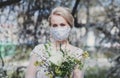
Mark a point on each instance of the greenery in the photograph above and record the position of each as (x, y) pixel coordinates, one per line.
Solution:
(91, 72)
(62, 64)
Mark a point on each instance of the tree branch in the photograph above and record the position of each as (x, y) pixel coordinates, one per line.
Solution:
(8, 2)
(75, 7)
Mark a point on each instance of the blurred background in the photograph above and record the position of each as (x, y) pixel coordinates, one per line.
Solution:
(24, 24)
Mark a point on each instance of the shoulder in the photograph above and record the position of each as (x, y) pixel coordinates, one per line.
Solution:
(38, 49)
(79, 50)
(76, 49)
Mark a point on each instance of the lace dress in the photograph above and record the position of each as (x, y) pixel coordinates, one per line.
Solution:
(42, 54)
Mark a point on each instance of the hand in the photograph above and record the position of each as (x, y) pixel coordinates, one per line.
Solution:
(77, 73)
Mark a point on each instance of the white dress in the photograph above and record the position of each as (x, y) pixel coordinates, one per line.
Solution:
(42, 54)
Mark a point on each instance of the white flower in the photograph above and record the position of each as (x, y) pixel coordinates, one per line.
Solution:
(56, 58)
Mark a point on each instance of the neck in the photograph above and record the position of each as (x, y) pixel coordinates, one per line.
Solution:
(61, 44)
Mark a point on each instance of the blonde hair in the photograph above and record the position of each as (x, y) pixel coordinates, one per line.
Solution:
(65, 13)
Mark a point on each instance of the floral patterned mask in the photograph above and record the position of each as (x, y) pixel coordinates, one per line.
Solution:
(60, 33)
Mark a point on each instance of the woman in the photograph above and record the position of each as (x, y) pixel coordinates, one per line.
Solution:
(61, 21)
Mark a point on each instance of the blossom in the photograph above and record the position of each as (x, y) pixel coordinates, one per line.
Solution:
(85, 54)
(56, 59)
(38, 63)
(62, 63)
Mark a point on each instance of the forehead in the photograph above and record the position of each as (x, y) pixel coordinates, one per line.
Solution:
(56, 19)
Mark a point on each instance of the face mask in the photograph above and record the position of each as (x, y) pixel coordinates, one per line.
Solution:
(60, 33)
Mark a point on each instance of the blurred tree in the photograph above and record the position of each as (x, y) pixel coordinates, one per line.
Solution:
(30, 14)
(99, 16)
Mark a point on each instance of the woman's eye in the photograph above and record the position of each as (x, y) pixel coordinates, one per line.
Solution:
(55, 25)
(62, 24)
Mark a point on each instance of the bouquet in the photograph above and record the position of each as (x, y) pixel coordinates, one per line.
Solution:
(62, 64)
